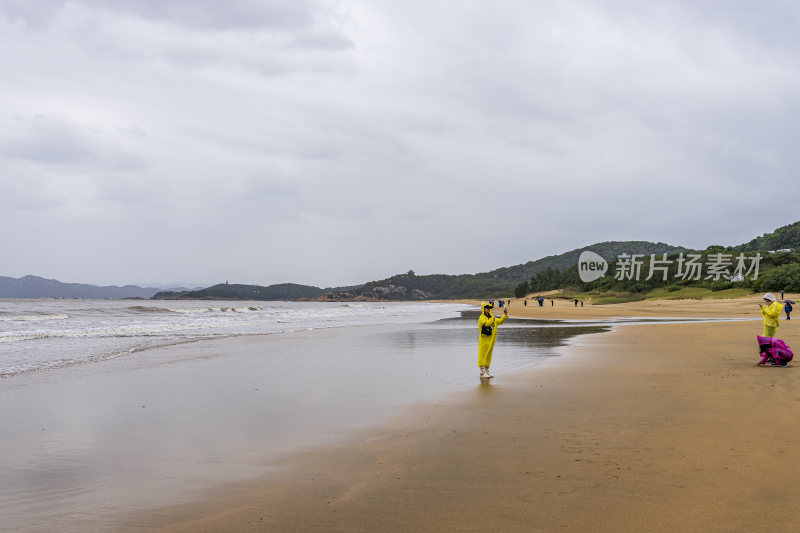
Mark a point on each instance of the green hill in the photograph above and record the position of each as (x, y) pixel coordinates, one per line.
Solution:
(609, 250)
(778, 267)
(779, 270)
(499, 282)
(786, 237)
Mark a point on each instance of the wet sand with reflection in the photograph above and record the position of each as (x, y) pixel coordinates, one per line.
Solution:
(659, 427)
(86, 444)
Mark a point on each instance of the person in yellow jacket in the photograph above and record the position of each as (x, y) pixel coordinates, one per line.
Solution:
(487, 324)
(771, 311)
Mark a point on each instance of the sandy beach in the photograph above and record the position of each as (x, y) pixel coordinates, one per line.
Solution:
(565, 309)
(660, 427)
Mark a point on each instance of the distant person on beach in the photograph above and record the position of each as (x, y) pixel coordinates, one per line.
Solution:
(552, 302)
(581, 303)
(525, 303)
(576, 302)
(788, 308)
(487, 324)
(771, 311)
(781, 294)
(541, 301)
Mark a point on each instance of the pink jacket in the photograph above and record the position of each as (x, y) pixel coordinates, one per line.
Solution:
(778, 350)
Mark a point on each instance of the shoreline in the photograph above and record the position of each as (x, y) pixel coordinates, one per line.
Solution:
(191, 416)
(600, 440)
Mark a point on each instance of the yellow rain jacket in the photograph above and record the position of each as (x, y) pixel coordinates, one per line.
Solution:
(771, 313)
(486, 344)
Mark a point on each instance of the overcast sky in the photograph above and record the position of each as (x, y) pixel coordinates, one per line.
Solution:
(333, 143)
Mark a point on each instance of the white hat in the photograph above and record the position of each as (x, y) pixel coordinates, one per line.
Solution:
(769, 296)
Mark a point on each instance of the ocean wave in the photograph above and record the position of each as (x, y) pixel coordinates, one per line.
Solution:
(32, 318)
(31, 339)
(28, 367)
(126, 330)
(39, 366)
(203, 310)
(6, 338)
(233, 320)
(146, 309)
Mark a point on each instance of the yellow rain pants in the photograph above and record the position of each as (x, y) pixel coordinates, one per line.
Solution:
(771, 313)
(486, 344)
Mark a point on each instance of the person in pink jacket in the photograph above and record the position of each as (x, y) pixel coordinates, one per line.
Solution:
(774, 352)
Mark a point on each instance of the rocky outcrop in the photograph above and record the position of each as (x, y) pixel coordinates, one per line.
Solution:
(395, 292)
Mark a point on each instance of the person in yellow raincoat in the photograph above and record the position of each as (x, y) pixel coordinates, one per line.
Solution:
(487, 324)
(771, 311)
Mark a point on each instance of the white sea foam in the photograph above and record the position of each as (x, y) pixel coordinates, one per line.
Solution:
(31, 318)
(44, 334)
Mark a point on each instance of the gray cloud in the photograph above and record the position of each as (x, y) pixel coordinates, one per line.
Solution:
(56, 142)
(45, 140)
(266, 38)
(337, 142)
(201, 14)
(207, 14)
(24, 188)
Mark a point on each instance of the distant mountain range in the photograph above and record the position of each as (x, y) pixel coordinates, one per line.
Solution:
(408, 286)
(36, 287)
(225, 291)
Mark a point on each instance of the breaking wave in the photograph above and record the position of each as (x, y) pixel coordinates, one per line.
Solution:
(32, 318)
(51, 334)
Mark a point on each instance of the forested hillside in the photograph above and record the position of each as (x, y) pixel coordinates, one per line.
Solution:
(766, 263)
(501, 281)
